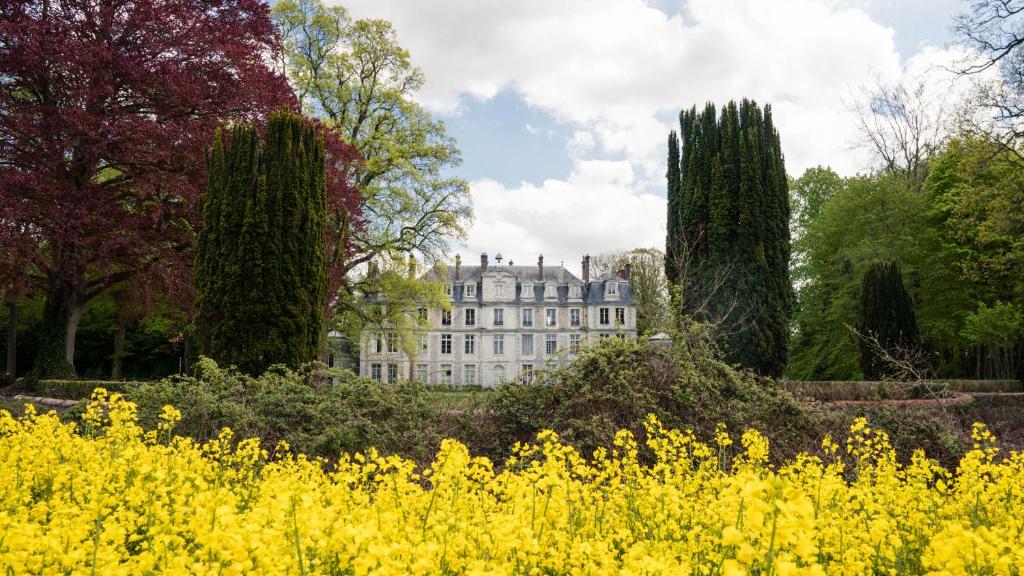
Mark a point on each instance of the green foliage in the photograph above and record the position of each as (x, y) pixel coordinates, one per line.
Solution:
(261, 270)
(76, 389)
(354, 76)
(728, 240)
(866, 220)
(317, 413)
(613, 385)
(886, 318)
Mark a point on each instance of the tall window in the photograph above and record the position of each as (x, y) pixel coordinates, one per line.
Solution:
(575, 292)
(620, 316)
(392, 372)
(470, 343)
(446, 374)
(550, 343)
(527, 373)
(499, 316)
(527, 316)
(551, 314)
(470, 290)
(574, 343)
(603, 316)
(499, 344)
(421, 342)
(392, 342)
(378, 344)
(574, 316)
(423, 314)
(375, 371)
(470, 317)
(469, 374)
(446, 343)
(421, 373)
(446, 317)
(613, 287)
(527, 344)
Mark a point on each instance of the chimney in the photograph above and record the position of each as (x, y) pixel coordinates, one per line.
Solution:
(412, 266)
(483, 262)
(586, 269)
(561, 273)
(627, 271)
(458, 266)
(540, 267)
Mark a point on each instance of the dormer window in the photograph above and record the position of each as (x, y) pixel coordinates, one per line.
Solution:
(470, 290)
(575, 292)
(448, 289)
(550, 290)
(613, 287)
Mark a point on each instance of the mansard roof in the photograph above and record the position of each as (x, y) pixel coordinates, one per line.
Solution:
(557, 274)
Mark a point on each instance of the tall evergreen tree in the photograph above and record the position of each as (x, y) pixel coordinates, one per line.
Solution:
(734, 228)
(672, 224)
(887, 318)
(261, 264)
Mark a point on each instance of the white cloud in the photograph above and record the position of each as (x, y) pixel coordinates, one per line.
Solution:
(564, 219)
(615, 70)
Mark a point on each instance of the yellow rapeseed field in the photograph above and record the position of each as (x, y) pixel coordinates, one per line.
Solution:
(108, 498)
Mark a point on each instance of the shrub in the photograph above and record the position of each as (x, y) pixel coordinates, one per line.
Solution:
(75, 389)
(317, 412)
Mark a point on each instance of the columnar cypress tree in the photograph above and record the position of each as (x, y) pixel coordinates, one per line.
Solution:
(886, 318)
(673, 224)
(733, 203)
(261, 267)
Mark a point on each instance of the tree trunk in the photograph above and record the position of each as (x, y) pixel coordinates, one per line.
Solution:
(63, 309)
(12, 339)
(117, 366)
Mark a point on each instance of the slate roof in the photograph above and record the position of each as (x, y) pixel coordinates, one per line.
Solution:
(523, 273)
(594, 292)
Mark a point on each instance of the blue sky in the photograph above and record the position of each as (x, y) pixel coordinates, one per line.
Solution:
(561, 108)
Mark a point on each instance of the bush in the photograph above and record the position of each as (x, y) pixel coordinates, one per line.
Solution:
(317, 412)
(615, 383)
(75, 389)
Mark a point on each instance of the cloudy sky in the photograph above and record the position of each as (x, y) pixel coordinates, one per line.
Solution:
(562, 107)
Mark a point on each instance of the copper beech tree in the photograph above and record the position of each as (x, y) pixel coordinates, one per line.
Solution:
(106, 109)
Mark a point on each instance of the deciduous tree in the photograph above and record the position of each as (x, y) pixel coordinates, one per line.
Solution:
(105, 109)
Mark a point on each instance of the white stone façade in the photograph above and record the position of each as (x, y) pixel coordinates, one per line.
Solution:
(505, 322)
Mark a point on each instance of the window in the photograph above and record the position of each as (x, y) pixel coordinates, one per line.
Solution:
(574, 343)
(470, 290)
(604, 316)
(446, 317)
(620, 316)
(446, 343)
(603, 336)
(392, 372)
(574, 317)
(392, 342)
(448, 289)
(421, 343)
(499, 316)
(527, 373)
(621, 336)
(470, 317)
(550, 290)
(551, 312)
(613, 287)
(527, 316)
(575, 292)
(421, 373)
(375, 371)
(550, 343)
(423, 314)
(446, 374)
(378, 344)
(527, 344)
(499, 344)
(470, 343)
(499, 373)
(330, 360)
(469, 374)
